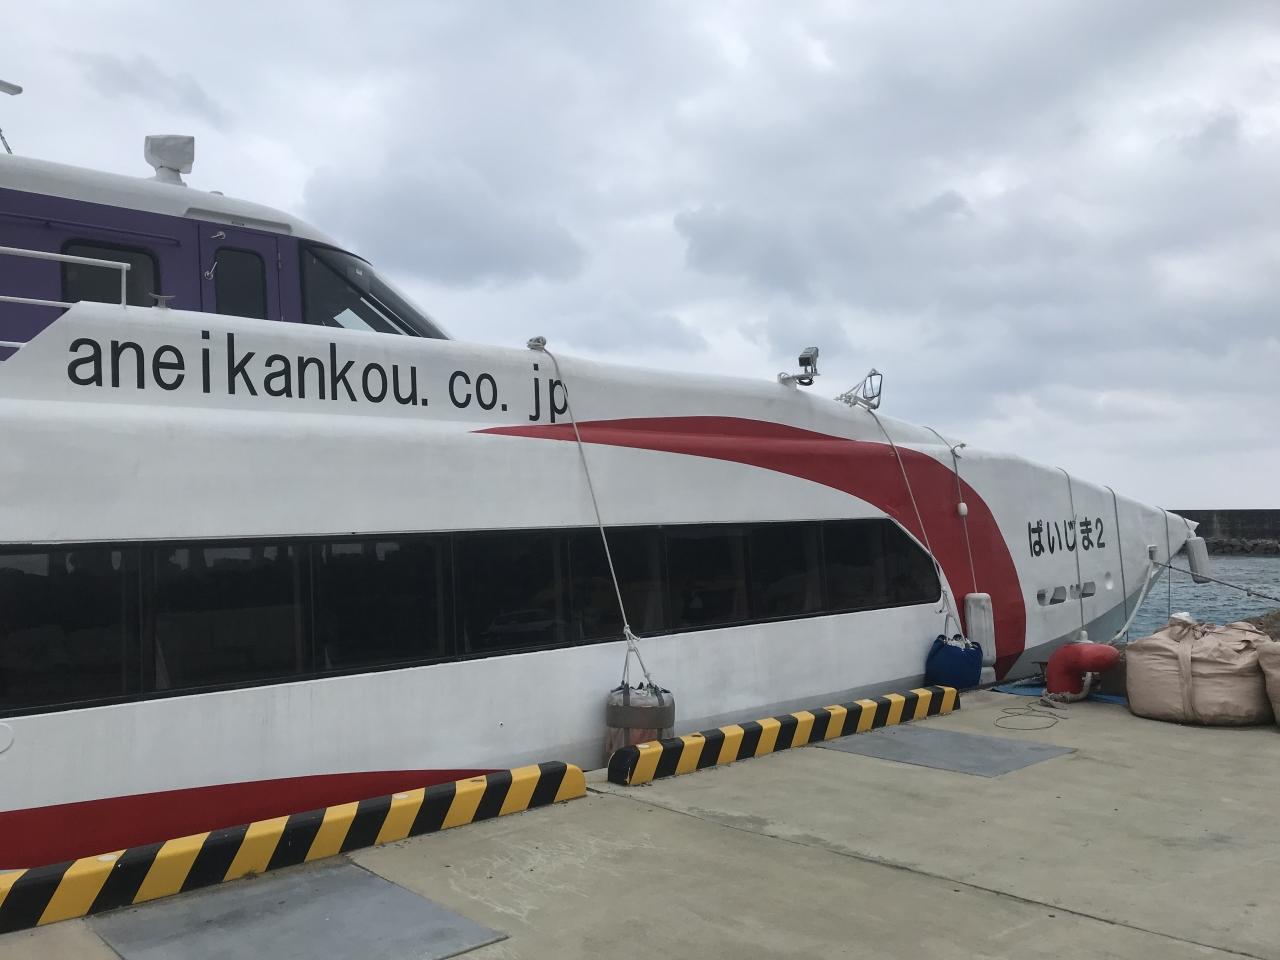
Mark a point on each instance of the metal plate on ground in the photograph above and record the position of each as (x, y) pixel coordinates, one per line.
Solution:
(332, 911)
(969, 753)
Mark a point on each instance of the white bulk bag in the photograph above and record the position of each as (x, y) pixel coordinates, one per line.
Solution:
(1269, 660)
(1199, 673)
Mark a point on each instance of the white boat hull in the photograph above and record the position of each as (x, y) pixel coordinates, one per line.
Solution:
(107, 461)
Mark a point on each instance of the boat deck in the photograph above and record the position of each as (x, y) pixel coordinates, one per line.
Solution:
(1145, 839)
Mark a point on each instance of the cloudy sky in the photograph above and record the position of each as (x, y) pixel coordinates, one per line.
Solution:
(1055, 226)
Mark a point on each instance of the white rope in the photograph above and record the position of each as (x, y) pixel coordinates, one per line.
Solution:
(633, 648)
(1152, 575)
(964, 517)
(947, 602)
(1058, 700)
(1071, 499)
(1226, 583)
(1168, 555)
(1124, 586)
(1030, 716)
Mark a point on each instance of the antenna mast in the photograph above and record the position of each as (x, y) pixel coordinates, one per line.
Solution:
(13, 90)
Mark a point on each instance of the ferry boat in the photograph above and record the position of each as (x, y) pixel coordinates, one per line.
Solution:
(271, 540)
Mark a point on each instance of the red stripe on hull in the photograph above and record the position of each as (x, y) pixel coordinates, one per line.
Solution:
(67, 831)
(866, 470)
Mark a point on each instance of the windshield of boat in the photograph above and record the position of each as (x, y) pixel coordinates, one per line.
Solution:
(341, 290)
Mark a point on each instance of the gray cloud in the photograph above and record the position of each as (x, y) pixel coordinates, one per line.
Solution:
(947, 205)
(1055, 227)
(619, 325)
(444, 222)
(140, 78)
(734, 243)
(1220, 131)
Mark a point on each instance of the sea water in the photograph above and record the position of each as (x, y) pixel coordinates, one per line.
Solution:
(1211, 602)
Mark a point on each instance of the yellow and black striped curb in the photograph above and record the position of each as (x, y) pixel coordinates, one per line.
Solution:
(695, 751)
(77, 888)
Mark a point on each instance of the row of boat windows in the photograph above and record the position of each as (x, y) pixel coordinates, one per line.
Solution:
(101, 623)
(239, 278)
(338, 289)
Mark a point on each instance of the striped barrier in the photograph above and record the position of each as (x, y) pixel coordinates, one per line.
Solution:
(634, 765)
(77, 888)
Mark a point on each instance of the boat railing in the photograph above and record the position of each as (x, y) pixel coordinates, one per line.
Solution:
(63, 258)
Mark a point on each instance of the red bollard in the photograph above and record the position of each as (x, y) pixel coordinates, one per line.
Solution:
(1069, 664)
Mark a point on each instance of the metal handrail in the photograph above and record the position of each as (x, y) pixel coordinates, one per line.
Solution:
(65, 258)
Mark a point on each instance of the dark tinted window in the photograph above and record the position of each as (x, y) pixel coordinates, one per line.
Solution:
(910, 575)
(854, 565)
(102, 284)
(637, 558)
(240, 283)
(86, 624)
(511, 590)
(379, 601)
(786, 570)
(66, 632)
(872, 563)
(706, 568)
(226, 614)
(339, 290)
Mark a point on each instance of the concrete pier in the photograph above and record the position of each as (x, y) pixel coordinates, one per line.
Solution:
(1148, 840)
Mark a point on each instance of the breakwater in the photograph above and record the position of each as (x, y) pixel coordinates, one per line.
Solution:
(1238, 532)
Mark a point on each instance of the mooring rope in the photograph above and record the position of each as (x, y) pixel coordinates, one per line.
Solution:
(1226, 583)
(1168, 555)
(1152, 576)
(633, 646)
(960, 501)
(1071, 499)
(1124, 585)
(947, 601)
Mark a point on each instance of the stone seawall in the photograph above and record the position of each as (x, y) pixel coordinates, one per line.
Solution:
(1240, 546)
(1238, 532)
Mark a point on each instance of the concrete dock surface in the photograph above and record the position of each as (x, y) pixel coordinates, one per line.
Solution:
(1149, 840)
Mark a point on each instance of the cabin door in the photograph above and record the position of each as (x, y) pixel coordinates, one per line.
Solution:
(239, 272)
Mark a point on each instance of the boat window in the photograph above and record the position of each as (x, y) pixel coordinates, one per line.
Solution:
(341, 290)
(226, 614)
(379, 601)
(637, 558)
(873, 563)
(239, 283)
(786, 570)
(90, 624)
(66, 630)
(910, 574)
(707, 580)
(511, 590)
(854, 564)
(102, 284)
